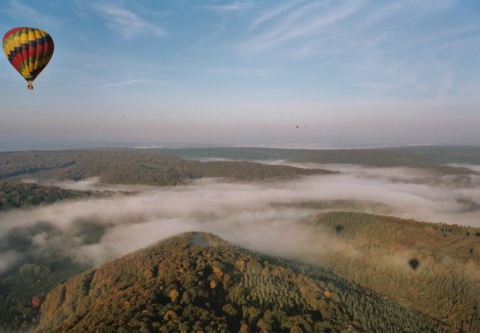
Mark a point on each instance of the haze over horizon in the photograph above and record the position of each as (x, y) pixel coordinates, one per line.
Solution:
(316, 74)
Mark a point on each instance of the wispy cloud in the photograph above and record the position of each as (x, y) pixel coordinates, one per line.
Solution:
(305, 22)
(272, 13)
(18, 10)
(205, 40)
(126, 22)
(125, 83)
(389, 46)
(234, 6)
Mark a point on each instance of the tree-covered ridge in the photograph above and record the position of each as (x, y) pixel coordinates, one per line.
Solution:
(163, 167)
(433, 158)
(23, 291)
(434, 268)
(34, 271)
(13, 164)
(198, 283)
(134, 167)
(249, 171)
(428, 157)
(21, 195)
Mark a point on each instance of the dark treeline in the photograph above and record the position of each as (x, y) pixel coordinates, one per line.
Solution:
(21, 195)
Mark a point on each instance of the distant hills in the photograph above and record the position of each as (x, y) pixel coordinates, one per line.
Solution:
(152, 167)
(431, 157)
(175, 166)
(197, 282)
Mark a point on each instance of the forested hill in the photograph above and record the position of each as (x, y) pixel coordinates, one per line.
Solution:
(197, 282)
(133, 167)
(431, 267)
(174, 166)
(13, 195)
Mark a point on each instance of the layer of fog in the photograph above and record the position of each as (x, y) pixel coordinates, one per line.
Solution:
(265, 217)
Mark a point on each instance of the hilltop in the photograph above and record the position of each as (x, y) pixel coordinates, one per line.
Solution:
(198, 282)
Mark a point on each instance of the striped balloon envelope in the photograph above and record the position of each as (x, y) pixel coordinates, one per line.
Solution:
(29, 50)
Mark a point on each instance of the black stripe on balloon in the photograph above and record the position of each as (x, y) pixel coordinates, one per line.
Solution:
(16, 51)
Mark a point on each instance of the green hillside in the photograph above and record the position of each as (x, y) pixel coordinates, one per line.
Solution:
(198, 283)
(433, 268)
(14, 195)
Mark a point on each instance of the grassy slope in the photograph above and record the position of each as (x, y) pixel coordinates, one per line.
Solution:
(434, 268)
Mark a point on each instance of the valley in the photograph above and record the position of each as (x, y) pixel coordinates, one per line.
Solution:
(237, 239)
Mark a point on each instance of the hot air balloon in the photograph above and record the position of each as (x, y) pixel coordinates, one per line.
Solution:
(29, 50)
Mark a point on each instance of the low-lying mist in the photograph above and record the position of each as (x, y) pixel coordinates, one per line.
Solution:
(265, 216)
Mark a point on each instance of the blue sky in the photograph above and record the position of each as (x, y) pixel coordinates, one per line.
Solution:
(347, 73)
